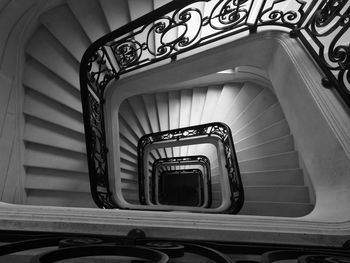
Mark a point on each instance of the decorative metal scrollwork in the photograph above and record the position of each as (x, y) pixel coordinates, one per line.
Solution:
(127, 53)
(215, 129)
(275, 13)
(326, 36)
(53, 247)
(181, 26)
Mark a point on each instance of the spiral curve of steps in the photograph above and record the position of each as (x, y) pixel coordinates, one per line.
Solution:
(55, 155)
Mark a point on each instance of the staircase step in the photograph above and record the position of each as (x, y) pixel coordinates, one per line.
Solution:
(139, 110)
(281, 161)
(128, 175)
(138, 9)
(41, 79)
(246, 95)
(279, 145)
(48, 51)
(45, 133)
(90, 16)
(125, 164)
(185, 114)
(115, 12)
(270, 178)
(128, 158)
(126, 134)
(290, 194)
(270, 116)
(197, 104)
(163, 116)
(151, 111)
(163, 110)
(37, 155)
(227, 97)
(211, 99)
(127, 152)
(56, 180)
(130, 121)
(258, 105)
(149, 102)
(276, 209)
(42, 107)
(174, 115)
(129, 185)
(61, 22)
(276, 130)
(59, 198)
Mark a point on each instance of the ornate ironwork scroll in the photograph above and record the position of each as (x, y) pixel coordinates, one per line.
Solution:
(215, 129)
(94, 77)
(326, 37)
(53, 247)
(181, 26)
(187, 160)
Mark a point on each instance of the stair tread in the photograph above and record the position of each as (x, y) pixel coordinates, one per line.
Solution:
(41, 79)
(227, 98)
(58, 182)
(60, 21)
(259, 104)
(59, 198)
(37, 155)
(90, 17)
(281, 193)
(49, 52)
(115, 13)
(212, 96)
(271, 156)
(275, 146)
(281, 209)
(276, 130)
(288, 160)
(45, 133)
(278, 177)
(246, 95)
(268, 117)
(41, 107)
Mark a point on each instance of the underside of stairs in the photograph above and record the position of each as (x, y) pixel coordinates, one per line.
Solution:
(55, 155)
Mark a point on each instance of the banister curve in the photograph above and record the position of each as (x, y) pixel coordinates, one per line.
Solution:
(119, 52)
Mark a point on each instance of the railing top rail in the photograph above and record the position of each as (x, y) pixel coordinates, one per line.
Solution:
(322, 26)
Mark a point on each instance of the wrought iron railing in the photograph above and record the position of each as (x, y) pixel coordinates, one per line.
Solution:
(186, 160)
(215, 130)
(38, 247)
(322, 26)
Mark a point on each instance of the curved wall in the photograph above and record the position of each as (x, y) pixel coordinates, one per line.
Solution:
(328, 224)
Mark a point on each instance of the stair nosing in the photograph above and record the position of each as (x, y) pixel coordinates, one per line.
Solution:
(266, 142)
(270, 155)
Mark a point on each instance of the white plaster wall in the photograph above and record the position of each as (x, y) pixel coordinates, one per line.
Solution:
(297, 83)
(11, 187)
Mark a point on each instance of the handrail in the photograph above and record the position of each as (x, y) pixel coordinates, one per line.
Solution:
(215, 129)
(119, 52)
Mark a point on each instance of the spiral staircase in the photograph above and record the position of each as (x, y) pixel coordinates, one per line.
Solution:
(55, 155)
